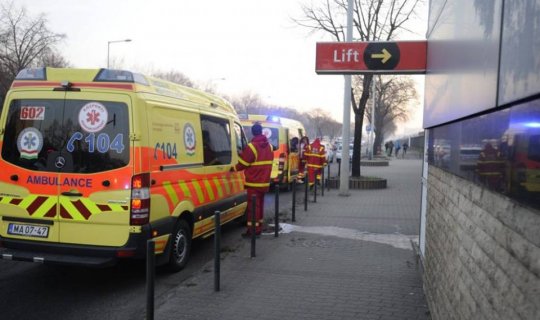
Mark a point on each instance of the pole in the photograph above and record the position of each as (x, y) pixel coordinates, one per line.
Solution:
(150, 278)
(108, 51)
(327, 179)
(306, 181)
(322, 182)
(294, 201)
(315, 189)
(276, 217)
(344, 177)
(217, 249)
(253, 221)
(372, 131)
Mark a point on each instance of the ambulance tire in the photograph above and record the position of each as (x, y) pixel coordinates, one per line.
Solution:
(180, 246)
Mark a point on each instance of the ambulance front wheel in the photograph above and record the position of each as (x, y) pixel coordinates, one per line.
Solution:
(180, 246)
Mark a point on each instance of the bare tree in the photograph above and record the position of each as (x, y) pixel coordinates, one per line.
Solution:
(394, 94)
(320, 123)
(24, 41)
(248, 103)
(176, 77)
(51, 58)
(373, 20)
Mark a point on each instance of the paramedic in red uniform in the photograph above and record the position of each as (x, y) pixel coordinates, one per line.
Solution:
(491, 167)
(256, 159)
(304, 143)
(316, 160)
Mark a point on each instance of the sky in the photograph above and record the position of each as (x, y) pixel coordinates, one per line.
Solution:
(237, 46)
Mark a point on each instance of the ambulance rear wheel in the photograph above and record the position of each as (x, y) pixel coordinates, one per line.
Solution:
(180, 246)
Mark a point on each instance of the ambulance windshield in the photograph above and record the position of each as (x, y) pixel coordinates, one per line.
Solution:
(72, 136)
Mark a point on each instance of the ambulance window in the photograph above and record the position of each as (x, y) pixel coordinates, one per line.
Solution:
(272, 134)
(97, 135)
(241, 141)
(216, 141)
(40, 132)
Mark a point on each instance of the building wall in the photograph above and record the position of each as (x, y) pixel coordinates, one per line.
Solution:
(482, 255)
(480, 229)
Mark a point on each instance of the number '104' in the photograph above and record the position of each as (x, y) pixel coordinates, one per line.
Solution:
(102, 143)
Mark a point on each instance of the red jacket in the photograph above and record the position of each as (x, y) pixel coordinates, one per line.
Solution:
(316, 155)
(256, 159)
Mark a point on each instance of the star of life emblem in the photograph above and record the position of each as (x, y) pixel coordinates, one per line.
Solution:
(29, 143)
(93, 117)
(189, 139)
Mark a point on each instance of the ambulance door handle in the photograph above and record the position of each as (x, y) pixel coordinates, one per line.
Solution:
(72, 194)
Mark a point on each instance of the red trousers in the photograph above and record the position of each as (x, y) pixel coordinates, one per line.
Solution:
(259, 209)
(312, 173)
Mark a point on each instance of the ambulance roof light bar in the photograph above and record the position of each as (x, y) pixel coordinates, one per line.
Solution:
(111, 75)
(32, 74)
(273, 119)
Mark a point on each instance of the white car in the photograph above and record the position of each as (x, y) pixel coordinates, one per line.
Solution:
(329, 152)
(339, 152)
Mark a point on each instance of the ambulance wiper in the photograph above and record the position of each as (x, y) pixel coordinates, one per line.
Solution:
(66, 86)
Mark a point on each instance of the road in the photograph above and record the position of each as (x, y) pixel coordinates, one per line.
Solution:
(35, 291)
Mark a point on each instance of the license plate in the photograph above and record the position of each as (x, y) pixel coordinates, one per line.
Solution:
(28, 230)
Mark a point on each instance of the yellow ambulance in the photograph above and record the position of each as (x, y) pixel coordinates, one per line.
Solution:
(95, 162)
(284, 135)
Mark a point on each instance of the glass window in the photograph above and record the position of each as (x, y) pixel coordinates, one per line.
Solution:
(500, 151)
(272, 134)
(241, 142)
(216, 134)
(90, 136)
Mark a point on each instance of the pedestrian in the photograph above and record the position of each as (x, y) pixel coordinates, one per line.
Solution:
(256, 161)
(316, 160)
(386, 145)
(405, 147)
(304, 142)
(390, 148)
(398, 147)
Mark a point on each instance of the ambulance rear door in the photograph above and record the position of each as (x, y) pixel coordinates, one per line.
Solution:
(28, 183)
(95, 169)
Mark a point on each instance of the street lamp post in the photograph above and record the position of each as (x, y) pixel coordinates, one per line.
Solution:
(109, 48)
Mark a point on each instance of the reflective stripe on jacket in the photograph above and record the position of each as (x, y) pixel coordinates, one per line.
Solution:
(256, 160)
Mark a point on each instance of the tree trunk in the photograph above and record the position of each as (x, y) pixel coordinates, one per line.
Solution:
(357, 149)
(359, 122)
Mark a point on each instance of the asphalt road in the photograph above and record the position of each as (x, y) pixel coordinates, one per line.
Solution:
(35, 291)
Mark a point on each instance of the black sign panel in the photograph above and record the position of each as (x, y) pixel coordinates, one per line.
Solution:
(381, 56)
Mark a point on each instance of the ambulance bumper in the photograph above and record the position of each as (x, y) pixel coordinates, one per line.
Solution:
(70, 254)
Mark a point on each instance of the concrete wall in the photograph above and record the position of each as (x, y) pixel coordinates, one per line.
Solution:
(482, 258)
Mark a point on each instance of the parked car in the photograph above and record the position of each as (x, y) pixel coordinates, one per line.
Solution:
(340, 151)
(329, 152)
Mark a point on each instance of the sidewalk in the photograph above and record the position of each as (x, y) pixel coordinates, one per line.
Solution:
(345, 258)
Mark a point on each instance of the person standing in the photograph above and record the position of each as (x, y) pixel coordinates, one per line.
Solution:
(405, 147)
(256, 162)
(304, 142)
(316, 160)
(398, 147)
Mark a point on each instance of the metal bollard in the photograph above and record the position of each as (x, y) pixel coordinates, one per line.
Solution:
(217, 248)
(294, 201)
(322, 182)
(306, 181)
(150, 278)
(328, 179)
(253, 221)
(276, 217)
(315, 189)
